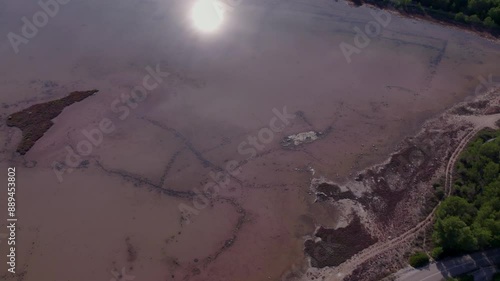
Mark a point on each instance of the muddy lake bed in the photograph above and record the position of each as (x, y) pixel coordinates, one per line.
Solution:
(120, 209)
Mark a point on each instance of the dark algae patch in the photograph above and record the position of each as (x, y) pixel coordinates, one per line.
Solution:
(35, 120)
(335, 246)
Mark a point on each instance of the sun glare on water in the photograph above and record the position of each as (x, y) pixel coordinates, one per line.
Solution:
(207, 15)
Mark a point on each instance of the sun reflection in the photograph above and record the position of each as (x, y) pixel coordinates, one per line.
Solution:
(207, 15)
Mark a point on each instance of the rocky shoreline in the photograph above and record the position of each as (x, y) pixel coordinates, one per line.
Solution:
(393, 197)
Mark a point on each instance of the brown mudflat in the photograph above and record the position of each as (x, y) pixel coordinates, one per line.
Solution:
(35, 120)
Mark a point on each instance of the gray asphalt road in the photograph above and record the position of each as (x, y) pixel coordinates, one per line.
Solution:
(452, 267)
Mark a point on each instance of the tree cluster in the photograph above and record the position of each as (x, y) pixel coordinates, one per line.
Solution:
(481, 12)
(470, 219)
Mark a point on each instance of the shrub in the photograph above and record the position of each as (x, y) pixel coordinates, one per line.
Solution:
(494, 14)
(439, 192)
(460, 17)
(419, 259)
(436, 252)
(475, 19)
(489, 22)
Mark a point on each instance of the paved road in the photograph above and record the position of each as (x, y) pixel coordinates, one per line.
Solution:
(451, 267)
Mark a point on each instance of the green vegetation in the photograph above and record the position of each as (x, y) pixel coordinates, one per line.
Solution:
(419, 259)
(436, 253)
(496, 277)
(470, 219)
(486, 12)
(438, 191)
(479, 13)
